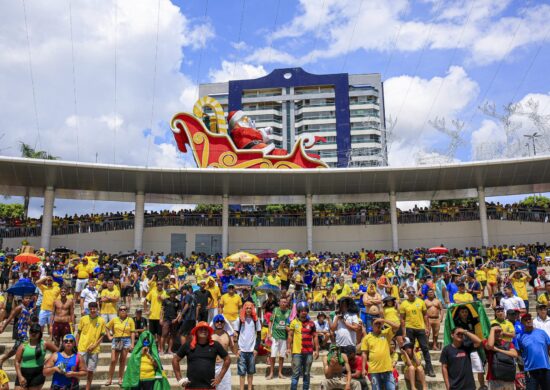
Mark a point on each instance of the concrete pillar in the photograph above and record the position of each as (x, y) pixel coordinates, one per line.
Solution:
(139, 221)
(483, 216)
(225, 225)
(47, 218)
(309, 223)
(393, 220)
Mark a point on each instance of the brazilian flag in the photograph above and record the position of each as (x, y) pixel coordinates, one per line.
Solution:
(481, 329)
(131, 375)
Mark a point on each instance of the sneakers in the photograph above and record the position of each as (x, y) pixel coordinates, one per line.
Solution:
(430, 372)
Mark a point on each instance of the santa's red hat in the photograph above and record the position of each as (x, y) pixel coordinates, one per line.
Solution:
(233, 117)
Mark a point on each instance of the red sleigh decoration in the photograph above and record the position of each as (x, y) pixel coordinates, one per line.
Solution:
(217, 150)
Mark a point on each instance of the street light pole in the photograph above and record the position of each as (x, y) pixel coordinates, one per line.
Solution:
(532, 137)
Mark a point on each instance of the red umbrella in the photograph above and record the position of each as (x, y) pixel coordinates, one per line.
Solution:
(269, 254)
(439, 250)
(29, 258)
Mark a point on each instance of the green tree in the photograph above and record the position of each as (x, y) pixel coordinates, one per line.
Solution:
(535, 200)
(207, 208)
(465, 202)
(29, 152)
(11, 210)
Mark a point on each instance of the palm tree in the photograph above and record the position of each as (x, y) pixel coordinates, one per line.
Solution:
(28, 152)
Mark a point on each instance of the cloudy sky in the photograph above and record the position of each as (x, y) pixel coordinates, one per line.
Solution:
(99, 80)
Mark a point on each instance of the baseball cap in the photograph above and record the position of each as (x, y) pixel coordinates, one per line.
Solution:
(542, 306)
(511, 311)
(526, 316)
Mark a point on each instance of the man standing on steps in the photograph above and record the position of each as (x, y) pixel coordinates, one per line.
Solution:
(91, 330)
(49, 295)
(248, 328)
(414, 322)
(62, 316)
(435, 316)
(278, 334)
(455, 361)
(226, 340)
(89, 294)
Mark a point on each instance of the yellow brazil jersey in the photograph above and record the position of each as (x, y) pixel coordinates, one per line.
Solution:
(303, 333)
(274, 280)
(507, 327)
(414, 313)
(391, 314)
(324, 281)
(82, 271)
(89, 331)
(200, 274)
(319, 295)
(216, 294)
(121, 328)
(3, 377)
(520, 285)
(146, 368)
(181, 270)
(282, 272)
(49, 295)
(231, 306)
(481, 276)
(378, 349)
(463, 297)
(543, 298)
(109, 307)
(492, 274)
(156, 303)
(341, 291)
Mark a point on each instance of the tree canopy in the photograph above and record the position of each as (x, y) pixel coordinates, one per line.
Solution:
(11, 210)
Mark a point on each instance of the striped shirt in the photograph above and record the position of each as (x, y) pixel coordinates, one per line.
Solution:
(303, 336)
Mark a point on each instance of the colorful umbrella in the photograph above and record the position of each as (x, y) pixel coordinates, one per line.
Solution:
(516, 262)
(241, 282)
(284, 252)
(243, 257)
(302, 262)
(161, 271)
(22, 287)
(269, 254)
(29, 258)
(438, 250)
(269, 288)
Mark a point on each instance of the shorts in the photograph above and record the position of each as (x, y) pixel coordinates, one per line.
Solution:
(477, 364)
(126, 343)
(169, 329)
(501, 385)
(80, 285)
(186, 327)
(126, 291)
(278, 348)
(45, 317)
(154, 327)
(246, 365)
(33, 376)
(60, 329)
(225, 383)
(90, 359)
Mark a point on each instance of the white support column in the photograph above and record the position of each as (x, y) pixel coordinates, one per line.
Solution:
(393, 220)
(225, 225)
(309, 222)
(483, 216)
(139, 221)
(47, 218)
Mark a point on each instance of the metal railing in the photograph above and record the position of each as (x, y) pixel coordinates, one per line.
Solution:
(258, 219)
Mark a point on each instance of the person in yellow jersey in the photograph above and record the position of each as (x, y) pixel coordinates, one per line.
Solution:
(155, 297)
(121, 331)
(283, 271)
(274, 279)
(4, 380)
(481, 277)
(519, 281)
(216, 294)
(230, 305)
(49, 295)
(83, 274)
(375, 348)
(340, 290)
(91, 330)
(508, 330)
(391, 313)
(200, 272)
(462, 296)
(544, 298)
(109, 297)
(414, 320)
(493, 275)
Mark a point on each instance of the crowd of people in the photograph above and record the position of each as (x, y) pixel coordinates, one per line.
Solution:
(371, 317)
(20, 227)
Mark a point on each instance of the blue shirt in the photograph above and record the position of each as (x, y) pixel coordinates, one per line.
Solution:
(452, 289)
(534, 349)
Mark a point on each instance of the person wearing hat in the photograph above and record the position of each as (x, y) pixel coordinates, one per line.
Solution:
(322, 327)
(140, 322)
(246, 136)
(508, 331)
(169, 320)
(201, 352)
(542, 321)
(534, 345)
(462, 296)
(204, 301)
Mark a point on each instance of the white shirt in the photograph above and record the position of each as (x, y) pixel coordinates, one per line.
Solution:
(542, 324)
(321, 328)
(512, 303)
(89, 296)
(247, 333)
(343, 335)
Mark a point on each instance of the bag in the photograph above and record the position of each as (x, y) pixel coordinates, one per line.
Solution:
(504, 366)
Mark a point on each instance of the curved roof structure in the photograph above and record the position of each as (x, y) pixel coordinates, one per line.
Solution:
(77, 180)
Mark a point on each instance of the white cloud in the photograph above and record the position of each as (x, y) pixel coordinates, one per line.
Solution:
(412, 101)
(486, 29)
(236, 71)
(117, 132)
(266, 55)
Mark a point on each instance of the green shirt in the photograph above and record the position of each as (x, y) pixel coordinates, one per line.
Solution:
(280, 321)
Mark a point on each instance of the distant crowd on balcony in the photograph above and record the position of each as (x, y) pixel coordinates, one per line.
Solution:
(279, 215)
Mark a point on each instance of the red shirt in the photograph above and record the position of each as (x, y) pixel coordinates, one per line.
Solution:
(490, 355)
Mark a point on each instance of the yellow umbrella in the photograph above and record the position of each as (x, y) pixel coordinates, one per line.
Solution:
(284, 252)
(243, 257)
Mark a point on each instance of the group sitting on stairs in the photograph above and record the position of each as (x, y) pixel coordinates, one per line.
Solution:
(378, 316)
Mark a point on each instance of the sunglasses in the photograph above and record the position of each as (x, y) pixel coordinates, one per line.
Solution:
(219, 322)
(123, 309)
(68, 341)
(410, 292)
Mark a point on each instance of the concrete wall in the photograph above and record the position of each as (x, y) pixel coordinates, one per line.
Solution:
(325, 238)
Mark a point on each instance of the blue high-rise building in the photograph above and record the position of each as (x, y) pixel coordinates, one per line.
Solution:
(346, 109)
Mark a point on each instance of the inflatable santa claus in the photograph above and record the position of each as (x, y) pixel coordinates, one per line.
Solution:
(246, 136)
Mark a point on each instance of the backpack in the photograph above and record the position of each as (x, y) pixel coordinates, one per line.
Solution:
(504, 366)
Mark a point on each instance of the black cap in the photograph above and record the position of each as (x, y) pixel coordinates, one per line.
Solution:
(510, 312)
